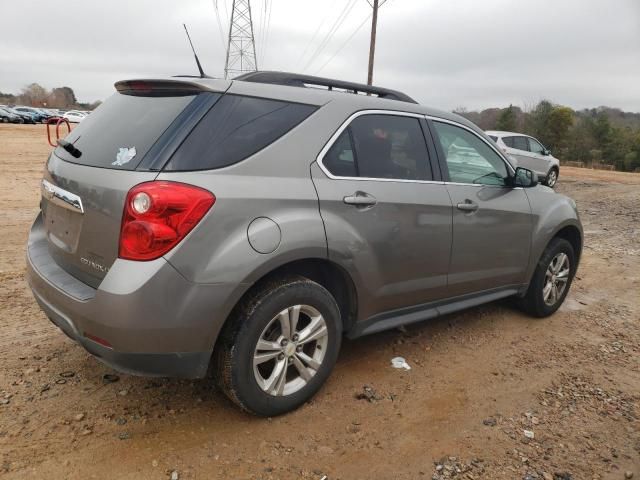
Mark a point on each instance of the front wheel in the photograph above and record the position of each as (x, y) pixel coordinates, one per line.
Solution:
(279, 347)
(551, 280)
(552, 178)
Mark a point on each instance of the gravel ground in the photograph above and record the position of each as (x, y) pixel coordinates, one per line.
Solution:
(491, 393)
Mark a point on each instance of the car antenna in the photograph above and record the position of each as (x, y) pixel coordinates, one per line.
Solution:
(202, 74)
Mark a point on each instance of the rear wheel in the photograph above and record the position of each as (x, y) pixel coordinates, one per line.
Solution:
(552, 178)
(551, 280)
(280, 347)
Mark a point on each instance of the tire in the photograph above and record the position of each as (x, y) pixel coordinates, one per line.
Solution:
(260, 317)
(534, 302)
(552, 177)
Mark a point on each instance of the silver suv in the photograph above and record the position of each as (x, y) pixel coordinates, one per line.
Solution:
(529, 153)
(248, 225)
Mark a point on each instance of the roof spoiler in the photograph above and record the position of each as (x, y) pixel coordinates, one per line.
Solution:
(309, 81)
(158, 88)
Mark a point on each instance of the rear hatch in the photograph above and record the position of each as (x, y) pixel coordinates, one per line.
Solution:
(119, 145)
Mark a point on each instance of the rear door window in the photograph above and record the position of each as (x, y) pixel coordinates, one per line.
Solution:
(120, 131)
(520, 143)
(380, 146)
(469, 159)
(508, 141)
(235, 128)
(390, 146)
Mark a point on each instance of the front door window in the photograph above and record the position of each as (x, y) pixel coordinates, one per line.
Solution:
(469, 159)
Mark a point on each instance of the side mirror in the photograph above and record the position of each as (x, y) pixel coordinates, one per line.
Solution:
(525, 178)
(546, 152)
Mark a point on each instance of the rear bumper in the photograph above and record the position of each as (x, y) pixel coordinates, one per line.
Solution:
(183, 364)
(156, 322)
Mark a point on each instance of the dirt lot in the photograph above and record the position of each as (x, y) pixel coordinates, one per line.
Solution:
(479, 379)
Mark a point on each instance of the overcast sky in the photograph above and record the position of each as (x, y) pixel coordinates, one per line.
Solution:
(444, 53)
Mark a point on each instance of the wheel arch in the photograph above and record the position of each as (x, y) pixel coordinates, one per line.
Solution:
(320, 270)
(570, 231)
(571, 234)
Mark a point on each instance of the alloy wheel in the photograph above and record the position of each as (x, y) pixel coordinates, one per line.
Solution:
(552, 178)
(556, 279)
(290, 350)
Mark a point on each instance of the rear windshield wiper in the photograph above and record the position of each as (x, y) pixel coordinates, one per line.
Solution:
(68, 146)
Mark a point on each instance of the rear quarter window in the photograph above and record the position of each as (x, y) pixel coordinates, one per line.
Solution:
(235, 128)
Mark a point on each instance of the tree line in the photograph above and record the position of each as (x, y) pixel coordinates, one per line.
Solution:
(35, 95)
(592, 136)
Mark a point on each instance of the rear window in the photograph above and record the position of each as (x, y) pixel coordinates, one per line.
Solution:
(235, 128)
(120, 131)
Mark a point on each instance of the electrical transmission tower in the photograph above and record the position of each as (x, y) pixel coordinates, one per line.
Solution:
(241, 48)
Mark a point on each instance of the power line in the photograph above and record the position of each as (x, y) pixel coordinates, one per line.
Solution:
(315, 34)
(353, 34)
(267, 30)
(336, 26)
(226, 11)
(215, 6)
(262, 12)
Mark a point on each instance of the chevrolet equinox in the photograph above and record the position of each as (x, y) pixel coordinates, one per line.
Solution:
(246, 225)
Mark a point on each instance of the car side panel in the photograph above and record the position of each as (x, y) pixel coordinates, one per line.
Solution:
(490, 246)
(397, 251)
(272, 184)
(524, 159)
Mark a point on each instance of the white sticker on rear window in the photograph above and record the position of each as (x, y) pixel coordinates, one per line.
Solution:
(125, 155)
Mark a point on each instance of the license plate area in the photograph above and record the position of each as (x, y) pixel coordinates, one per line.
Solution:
(62, 214)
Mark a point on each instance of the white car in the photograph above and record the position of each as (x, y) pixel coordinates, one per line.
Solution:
(74, 117)
(529, 153)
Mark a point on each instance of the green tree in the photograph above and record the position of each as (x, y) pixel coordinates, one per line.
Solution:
(551, 124)
(601, 128)
(559, 122)
(580, 141)
(507, 120)
(537, 123)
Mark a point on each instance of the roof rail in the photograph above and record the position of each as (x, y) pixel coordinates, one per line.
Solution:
(309, 81)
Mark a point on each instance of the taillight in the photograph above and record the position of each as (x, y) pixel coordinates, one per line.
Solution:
(158, 215)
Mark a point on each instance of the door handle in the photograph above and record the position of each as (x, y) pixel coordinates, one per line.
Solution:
(468, 206)
(360, 199)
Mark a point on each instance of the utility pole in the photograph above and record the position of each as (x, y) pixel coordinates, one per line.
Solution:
(372, 46)
(241, 46)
